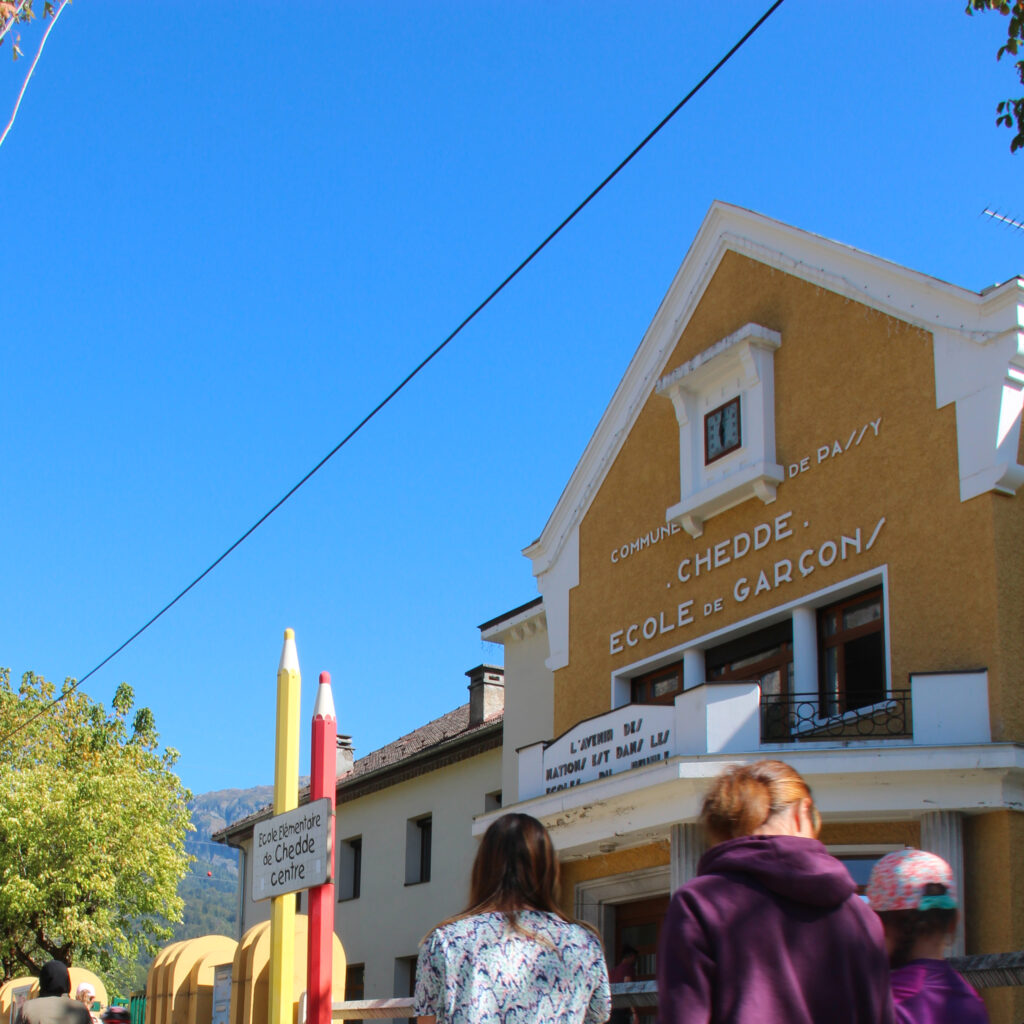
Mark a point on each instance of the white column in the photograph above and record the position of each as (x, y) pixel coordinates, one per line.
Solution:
(600, 916)
(942, 833)
(693, 668)
(805, 650)
(686, 846)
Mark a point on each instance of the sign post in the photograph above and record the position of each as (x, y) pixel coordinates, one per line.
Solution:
(286, 798)
(292, 851)
(322, 790)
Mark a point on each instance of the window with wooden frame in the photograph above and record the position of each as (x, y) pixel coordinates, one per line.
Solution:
(764, 657)
(851, 649)
(659, 687)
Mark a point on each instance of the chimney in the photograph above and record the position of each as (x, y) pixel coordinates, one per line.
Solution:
(345, 755)
(486, 692)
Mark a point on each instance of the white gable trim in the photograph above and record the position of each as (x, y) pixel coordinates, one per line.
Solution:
(984, 332)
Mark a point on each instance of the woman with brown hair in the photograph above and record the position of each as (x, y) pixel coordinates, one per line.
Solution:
(771, 929)
(512, 956)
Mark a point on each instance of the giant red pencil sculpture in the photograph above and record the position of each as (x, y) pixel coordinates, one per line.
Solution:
(323, 782)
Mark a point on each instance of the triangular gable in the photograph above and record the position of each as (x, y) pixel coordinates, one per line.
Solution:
(979, 365)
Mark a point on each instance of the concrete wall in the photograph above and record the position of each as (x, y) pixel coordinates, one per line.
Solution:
(389, 918)
(529, 703)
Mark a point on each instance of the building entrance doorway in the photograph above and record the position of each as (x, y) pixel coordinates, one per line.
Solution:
(638, 924)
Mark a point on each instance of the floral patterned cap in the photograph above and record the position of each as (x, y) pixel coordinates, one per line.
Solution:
(898, 882)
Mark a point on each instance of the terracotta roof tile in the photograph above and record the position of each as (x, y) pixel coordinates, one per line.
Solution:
(454, 725)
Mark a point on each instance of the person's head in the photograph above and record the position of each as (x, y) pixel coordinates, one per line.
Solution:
(85, 993)
(766, 798)
(629, 954)
(914, 894)
(515, 868)
(54, 979)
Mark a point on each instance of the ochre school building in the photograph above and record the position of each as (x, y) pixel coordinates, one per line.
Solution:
(795, 533)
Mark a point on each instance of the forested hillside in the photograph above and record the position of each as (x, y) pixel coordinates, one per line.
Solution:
(210, 890)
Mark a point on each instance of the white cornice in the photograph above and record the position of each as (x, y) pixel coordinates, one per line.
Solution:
(863, 783)
(525, 623)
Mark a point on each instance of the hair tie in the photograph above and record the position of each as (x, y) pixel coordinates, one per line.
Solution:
(943, 902)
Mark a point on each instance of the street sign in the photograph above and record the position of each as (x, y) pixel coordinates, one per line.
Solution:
(291, 851)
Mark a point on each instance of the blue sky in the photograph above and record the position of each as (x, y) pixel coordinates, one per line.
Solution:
(232, 233)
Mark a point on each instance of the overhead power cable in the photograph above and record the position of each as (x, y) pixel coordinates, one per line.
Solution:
(412, 373)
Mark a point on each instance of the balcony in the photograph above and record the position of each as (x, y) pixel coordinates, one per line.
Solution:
(939, 709)
(792, 717)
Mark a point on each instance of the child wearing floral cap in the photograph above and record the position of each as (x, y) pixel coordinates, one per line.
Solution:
(914, 894)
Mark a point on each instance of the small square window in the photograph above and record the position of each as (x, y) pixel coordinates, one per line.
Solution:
(492, 801)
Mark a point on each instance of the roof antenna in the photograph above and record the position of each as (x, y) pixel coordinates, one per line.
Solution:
(1003, 219)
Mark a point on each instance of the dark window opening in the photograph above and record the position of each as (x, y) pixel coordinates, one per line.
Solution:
(851, 645)
(418, 834)
(350, 868)
(426, 828)
(355, 984)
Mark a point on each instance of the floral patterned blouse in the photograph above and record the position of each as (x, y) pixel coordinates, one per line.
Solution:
(479, 970)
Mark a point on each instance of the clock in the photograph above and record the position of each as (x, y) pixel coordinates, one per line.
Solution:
(722, 433)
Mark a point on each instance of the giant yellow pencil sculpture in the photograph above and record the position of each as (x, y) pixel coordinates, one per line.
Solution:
(286, 798)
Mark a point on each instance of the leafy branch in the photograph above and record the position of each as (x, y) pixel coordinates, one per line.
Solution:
(15, 12)
(1010, 112)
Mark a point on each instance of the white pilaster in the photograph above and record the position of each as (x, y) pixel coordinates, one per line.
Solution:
(693, 668)
(942, 833)
(805, 650)
(686, 846)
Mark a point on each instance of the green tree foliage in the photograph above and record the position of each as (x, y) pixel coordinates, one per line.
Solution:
(92, 829)
(1010, 112)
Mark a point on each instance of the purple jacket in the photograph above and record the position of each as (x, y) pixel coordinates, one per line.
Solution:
(931, 992)
(771, 931)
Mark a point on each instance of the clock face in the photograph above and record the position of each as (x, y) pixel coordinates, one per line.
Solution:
(722, 431)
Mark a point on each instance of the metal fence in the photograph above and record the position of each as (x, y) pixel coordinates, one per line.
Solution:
(792, 717)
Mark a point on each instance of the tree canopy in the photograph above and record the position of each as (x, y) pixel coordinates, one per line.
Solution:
(1010, 112)
(92, 829)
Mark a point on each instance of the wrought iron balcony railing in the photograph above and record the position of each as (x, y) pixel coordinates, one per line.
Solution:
(792, 717)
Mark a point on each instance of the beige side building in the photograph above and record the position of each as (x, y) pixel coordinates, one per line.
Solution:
(797, 533)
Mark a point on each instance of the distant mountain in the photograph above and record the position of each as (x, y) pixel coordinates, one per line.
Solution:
(210, 889)
(213, 811)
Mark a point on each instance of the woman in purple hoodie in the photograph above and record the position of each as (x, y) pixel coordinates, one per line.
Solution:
(771, 929)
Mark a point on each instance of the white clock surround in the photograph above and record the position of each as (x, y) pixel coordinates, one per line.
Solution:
(741, 365)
